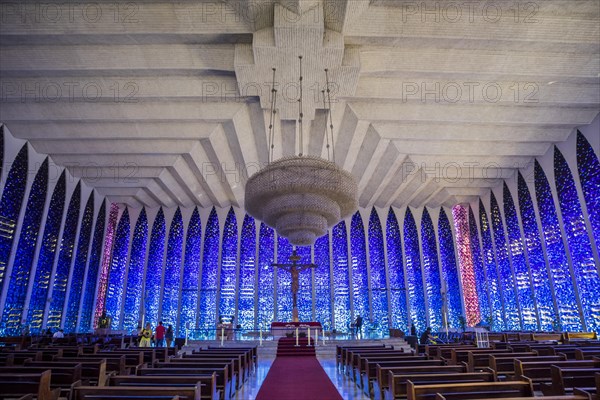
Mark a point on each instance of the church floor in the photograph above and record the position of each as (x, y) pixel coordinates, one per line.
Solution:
(348, 390)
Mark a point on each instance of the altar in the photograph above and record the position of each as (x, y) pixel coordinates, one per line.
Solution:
(281, 329)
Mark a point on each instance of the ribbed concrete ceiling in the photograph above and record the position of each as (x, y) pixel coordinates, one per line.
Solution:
(162, 103)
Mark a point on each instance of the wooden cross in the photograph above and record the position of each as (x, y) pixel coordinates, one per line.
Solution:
(294, 268)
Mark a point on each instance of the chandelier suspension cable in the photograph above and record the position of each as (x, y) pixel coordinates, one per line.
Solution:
(272, 117)
(330, 117)
(326, 133)
(301, 115)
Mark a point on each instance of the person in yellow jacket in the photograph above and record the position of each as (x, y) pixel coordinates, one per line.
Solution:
(146, 335)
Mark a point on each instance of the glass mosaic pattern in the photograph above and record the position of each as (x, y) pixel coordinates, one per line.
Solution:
(171, 287)
(89, 294)
(360, 275)
(413, 273)
(229, 249)
(116, 276)
(431, 269)
(396, 273)
(542, 284)
(284, 281)
(154, 270)
(135, 274)
(210, 266)
(247, 280)
(305, 300)
(322, 282)
(479, 270)
(517, 251)
(586, 271)
(47, 253)
(266, 277)
(341, 281)
(566, 300)
(588, 167)
(113, 216)
(453, 305)
(81, 256)
(379, 293)
(191, 275)
(19, 280)
(63, 265)
(10, 207)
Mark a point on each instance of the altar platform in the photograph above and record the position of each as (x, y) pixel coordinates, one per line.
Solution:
(283, 329)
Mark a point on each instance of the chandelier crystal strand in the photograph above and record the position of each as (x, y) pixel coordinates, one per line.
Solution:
(326, 134)
(301, 115)
(330, 117)
(272, 117)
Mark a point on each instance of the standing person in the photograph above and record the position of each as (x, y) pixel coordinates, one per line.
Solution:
(169, 335)
(413, 330)
(358, 326)
(425, 336)
(159, 335)
(146, 334)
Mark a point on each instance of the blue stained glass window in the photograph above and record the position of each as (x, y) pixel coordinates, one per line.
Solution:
(191, 274)
(154, 270)
(76, 284)
(396, 272)
(431, 269)
(135, 274)
(91, 279)
(10, 207)
(322, 281)
(170, 300)
(116, 275)
(566, 301)
(47, 252)
(537, 261)
(19, 280)
(284, 281)
(305, 301)
(413, 272)
(266, 282)
(341, 280)
(210, 265)
(378, 275)
(63, 265)
(522, 278)
(449, 271)
(588, 167)
(229, 251)
(360, 280)
(491, 272)
(246, 306)
(478, 267)
(586, 272)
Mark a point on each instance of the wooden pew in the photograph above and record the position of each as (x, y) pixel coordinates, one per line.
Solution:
(135, 392)
(384, 372)
(149, 354)
(92, 372)
(547, 337)
(223, 380)
(541, 372)
(398, 387)
(458, 356)
(368, 368)
(464, 391)
(504, 365)
(253, 351)
(574, 397)
(38, 384)
(114, 363)
(587, 354)
(577, 336)
(7, 359)
(246, 355)
(564, 380)
(63, 378)
(207, 383)
(345, 353)
(206, 363)
(340, 352)
(239, 364)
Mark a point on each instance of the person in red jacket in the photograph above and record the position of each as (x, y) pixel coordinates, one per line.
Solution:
(159, 335)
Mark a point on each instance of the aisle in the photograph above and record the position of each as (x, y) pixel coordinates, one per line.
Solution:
(293, 378)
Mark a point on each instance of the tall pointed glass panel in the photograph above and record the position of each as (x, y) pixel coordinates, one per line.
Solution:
(191, 274)
(399, 312)
(116, 276)
(246, 291)
(210, 266)
(229, 249)
(135, 274)
(154, 270)
(413, 273)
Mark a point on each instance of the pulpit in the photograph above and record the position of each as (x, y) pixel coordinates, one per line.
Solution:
(281, 329)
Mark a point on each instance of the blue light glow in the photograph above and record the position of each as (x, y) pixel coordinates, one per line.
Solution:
(135, 274)
(47, 252)
(284, 281)
(431, 269)
(586, 272)
(322, 282)
(65, 256)
(305, 300)
(588, 167)
(413, 272)
(89, 295)
(172, 281)
(360, 276)
(19, 279)
(76, 284)
(341, 281)
(379, 294)
(480, 279)
(116, 276)
(449, 271)
(564, 292)
(191, 274)
(266, 278)
(210, 265)
(154, 270)
(229, 249)
(396, 273)
(246, 306)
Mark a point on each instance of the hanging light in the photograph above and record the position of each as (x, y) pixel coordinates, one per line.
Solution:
(301, 196)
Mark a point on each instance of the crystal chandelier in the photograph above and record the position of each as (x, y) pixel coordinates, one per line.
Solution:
(301, 196)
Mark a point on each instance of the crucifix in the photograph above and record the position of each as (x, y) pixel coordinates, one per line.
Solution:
(294, 268)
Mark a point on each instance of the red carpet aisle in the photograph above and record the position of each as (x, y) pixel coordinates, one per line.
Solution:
(296, 374)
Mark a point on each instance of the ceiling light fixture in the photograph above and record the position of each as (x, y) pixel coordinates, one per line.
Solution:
(301, 196)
